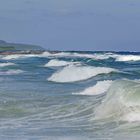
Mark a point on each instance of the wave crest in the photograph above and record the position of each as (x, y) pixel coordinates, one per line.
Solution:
(95, 56)
(122, 102)
(100, 88)
(128, 58)
(75, 73)
(18, 56)
(58, 63)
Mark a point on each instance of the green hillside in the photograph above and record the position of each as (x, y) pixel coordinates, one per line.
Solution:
(5, 46)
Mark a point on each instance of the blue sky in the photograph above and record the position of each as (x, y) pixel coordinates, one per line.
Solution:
(72, 24)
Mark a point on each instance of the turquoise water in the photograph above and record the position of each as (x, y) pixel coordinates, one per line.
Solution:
(70, 96)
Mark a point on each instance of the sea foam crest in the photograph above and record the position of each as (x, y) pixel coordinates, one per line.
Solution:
(95, 56)
(128, 58)
(100, 88)
(121, 103)
(73, 73)
(58, 63)
(18, 56)
(55, 54)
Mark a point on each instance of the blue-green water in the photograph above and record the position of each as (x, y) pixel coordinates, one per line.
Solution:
(70, 96)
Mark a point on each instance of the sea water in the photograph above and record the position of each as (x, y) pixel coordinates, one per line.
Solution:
(70, 96)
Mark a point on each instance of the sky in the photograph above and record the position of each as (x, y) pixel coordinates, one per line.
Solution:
(92, 25)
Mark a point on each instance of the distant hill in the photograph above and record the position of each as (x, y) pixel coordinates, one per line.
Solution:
(5, 46)
(2, 41)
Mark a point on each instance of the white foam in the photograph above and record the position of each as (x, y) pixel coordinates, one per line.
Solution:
(132, 117)
(100, 88)
(75, 73)
(121, 103)
(57, 54)
(128, 58)
(11, 72)
(18, 56)
(6, 64)
(95, 56)
(58, 63)
(45, 54)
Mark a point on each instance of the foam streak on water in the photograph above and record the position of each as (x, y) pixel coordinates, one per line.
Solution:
(6, 64)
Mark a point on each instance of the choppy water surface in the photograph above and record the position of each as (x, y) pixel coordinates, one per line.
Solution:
(70, 96)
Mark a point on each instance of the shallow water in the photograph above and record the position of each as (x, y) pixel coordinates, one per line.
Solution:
(70, 96)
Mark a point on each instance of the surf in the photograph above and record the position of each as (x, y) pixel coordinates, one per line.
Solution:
(58, 63)
(99, 88)
(18, 56)
(122, 102)
(74, 73)
(125, 58)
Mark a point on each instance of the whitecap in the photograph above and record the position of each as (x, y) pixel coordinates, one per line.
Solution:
(18, 56)
(55, 54)
(45, 54)
(75, 73)
(121, 103)
(100, 88)
(124, 58)
(96, 56)
(58, 63)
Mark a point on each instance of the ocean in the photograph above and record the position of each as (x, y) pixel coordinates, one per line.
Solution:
(70, 96)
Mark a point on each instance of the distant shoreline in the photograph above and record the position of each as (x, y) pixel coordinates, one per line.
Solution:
(7, 48)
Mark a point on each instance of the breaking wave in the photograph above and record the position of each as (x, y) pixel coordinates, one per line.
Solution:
(95, 56)
(75, 73)
(121, 103)
(128, 58)
(58, 63)
(18, 56)
(100, 88)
